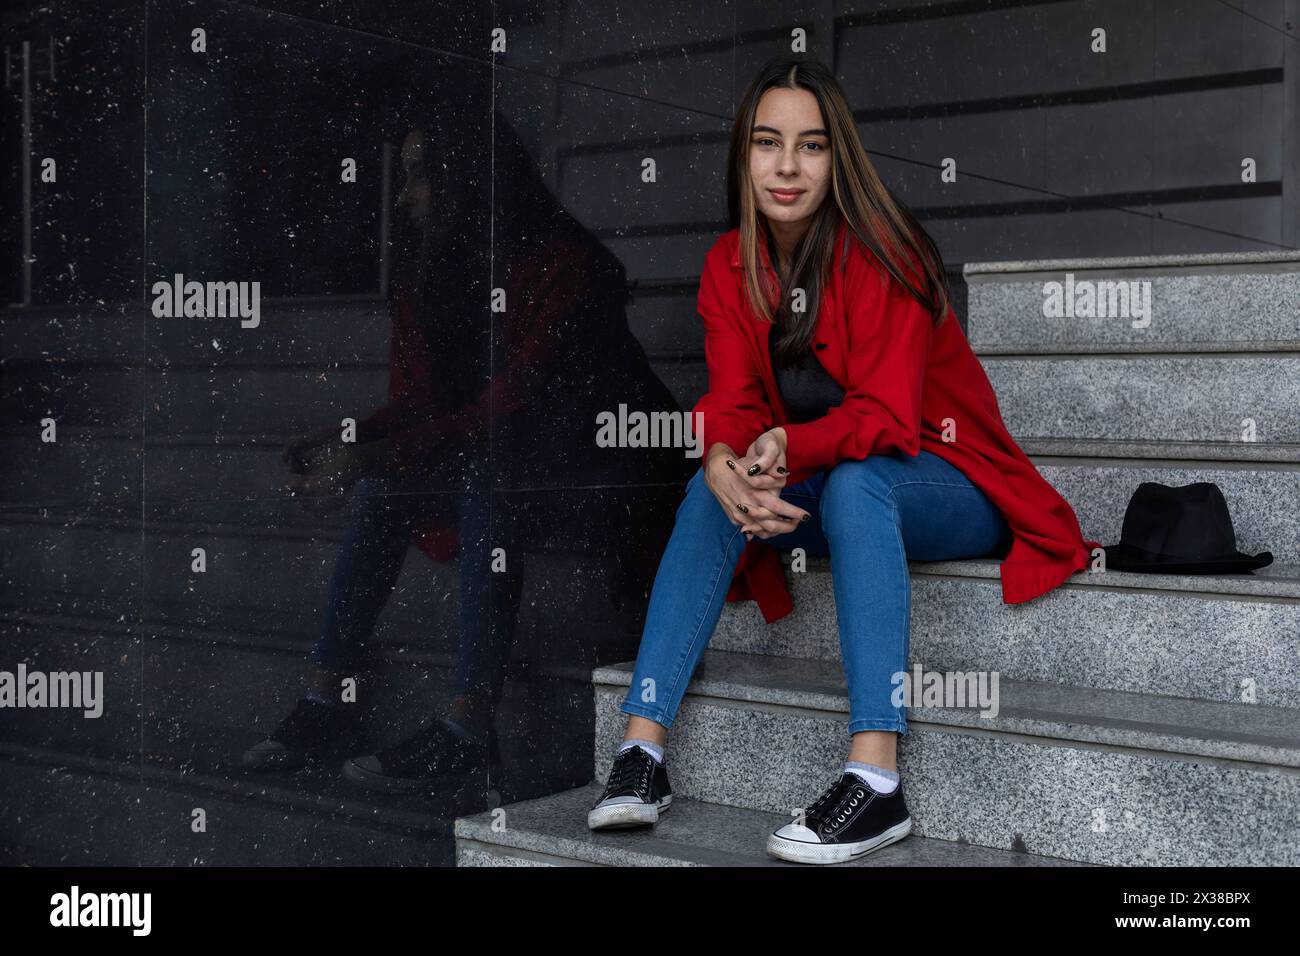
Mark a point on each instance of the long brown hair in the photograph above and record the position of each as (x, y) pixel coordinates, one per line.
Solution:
(857, 195)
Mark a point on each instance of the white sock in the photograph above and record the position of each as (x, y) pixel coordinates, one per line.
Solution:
(879, 779)
(653, 749)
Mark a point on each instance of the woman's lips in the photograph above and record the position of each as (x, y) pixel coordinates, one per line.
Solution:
(786, 196)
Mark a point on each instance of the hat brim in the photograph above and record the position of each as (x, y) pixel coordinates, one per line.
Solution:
(1120, 557)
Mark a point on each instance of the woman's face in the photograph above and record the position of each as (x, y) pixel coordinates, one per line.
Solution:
(789, 152)
(414, 195)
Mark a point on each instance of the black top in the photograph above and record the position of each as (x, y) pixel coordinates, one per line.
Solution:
(806, 387)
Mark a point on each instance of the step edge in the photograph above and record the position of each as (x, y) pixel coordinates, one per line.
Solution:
(1062, 728)
(476, 829)
(1006, 267)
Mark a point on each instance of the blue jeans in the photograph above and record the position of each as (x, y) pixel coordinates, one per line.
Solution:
(870, 516)
(383, 511)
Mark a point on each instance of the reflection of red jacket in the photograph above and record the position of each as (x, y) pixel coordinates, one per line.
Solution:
(542, 293)
(905, 382)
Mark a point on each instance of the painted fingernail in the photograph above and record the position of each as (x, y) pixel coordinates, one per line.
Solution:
(781, 469)
(743, 508)
(731, 464)
(753, 470)
(805, 517)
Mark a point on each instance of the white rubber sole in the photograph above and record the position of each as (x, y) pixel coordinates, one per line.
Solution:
(620, 815)
(797, 851)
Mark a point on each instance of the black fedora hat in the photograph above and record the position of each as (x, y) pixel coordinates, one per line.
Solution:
(1182, 530)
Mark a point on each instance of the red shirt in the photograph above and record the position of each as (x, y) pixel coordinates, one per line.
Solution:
(905, 382)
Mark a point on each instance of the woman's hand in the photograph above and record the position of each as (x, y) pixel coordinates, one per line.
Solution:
(297, 452)
(332, 472)
(752, 501)
(764, 460)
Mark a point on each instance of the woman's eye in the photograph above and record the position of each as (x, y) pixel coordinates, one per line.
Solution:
(817, 147)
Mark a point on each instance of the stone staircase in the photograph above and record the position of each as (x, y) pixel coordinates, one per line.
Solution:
(1143, 720)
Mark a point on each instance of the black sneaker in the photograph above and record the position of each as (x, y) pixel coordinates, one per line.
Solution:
(846, 821)
(314, 729)
(435, 756)
(636, 793)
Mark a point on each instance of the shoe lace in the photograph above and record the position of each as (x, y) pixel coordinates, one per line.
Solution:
(834, 804)
(631, 770)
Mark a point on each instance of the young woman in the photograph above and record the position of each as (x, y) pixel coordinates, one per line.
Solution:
(846, 415)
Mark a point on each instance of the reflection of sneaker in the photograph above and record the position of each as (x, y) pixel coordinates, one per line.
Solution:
(636, 793)
(313, 729)
(434, 755)
(846, 821)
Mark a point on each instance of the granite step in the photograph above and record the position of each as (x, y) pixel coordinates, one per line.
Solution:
(1101, 776)
(1162, 456)
(1229, 638)
(1217, 302)
(1258, 496)
(1210, 399)
(553, 831)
